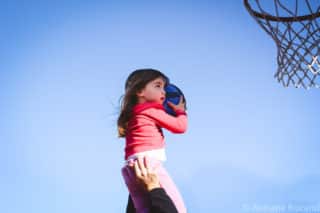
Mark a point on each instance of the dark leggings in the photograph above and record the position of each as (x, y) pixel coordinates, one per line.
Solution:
(130, 206)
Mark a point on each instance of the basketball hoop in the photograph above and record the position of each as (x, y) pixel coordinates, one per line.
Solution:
(295, 28)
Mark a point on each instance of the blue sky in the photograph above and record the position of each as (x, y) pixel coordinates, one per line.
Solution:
(250, 143)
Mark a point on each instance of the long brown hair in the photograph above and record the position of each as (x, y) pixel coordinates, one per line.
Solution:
(135, 82)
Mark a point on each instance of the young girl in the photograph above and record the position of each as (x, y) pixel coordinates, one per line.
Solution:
(140, 121)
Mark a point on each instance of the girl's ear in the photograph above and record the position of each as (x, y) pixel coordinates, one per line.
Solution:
(140, 93)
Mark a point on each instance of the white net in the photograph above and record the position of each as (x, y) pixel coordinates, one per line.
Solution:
(295, 28)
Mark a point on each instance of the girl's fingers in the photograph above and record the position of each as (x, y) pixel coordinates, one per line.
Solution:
(180, 104)
(181, 101)
(170, 104)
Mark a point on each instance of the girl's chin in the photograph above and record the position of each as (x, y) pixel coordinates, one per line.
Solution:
(158, 102)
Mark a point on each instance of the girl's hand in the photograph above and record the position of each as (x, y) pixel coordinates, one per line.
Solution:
(181, 106)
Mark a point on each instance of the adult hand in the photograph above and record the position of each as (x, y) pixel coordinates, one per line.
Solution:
(145, 174)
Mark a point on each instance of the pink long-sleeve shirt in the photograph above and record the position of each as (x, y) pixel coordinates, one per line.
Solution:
(144, 128)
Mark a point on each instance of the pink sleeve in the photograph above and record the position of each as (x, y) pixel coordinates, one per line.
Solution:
(173, 124)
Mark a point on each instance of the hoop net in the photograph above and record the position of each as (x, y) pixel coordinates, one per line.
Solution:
(295, 28)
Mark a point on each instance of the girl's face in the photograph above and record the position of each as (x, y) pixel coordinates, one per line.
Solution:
(153, 92)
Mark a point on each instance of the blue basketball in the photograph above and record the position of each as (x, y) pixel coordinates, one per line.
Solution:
(173, 94)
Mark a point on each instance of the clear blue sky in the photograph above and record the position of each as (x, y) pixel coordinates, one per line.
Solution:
(250, 143)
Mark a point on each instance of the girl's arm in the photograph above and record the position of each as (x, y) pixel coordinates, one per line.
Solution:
(173, 124)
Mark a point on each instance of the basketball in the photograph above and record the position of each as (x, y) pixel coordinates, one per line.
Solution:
(173, 94)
